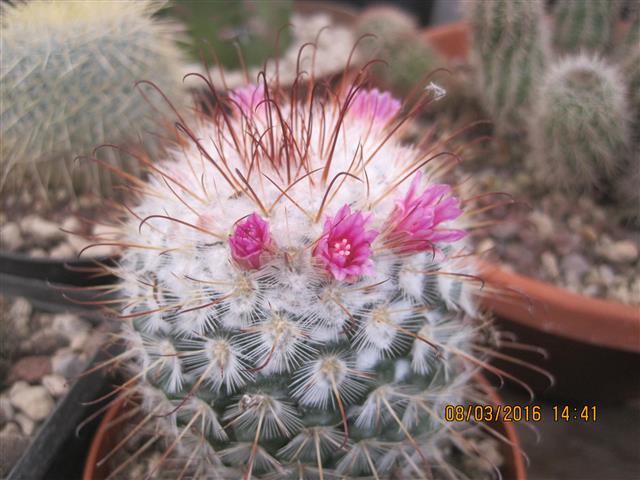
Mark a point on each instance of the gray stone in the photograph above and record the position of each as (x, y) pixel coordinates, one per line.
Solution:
(27, 425)
(576, 263)
(35, 401)
(10, 237)
(606, 274)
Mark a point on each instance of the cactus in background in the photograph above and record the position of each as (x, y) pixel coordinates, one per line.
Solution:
(298, 305)
(68, 84)
(509, 49)
(580, 125)
(631, 72)
(584, 25)
(218, 26)
(408, 58)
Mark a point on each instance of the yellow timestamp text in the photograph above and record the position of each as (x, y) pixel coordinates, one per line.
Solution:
(519, 413)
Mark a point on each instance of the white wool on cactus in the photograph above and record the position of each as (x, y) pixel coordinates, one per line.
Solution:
(295, 284)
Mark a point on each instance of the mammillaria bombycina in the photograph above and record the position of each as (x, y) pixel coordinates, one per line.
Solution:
(297, 296)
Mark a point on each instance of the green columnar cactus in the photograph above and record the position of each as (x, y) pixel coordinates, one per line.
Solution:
(509, 49)
(67, 84)
(298, 305)
(408, 58)
(584, 25)
(580, 125)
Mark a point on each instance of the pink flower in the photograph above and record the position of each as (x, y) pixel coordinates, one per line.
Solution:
(250, 242)
(416, 218)
(345, 246)
(374, 105)
(248, 98)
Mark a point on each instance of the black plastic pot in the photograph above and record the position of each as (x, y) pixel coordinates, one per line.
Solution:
(68, 271)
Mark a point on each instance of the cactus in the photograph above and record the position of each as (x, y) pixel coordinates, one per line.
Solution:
(632, 36)
(584, 25)
(580, 125)
(408, 58)
(296, 297)
(68, 84)
(509, 49)
(218, 26)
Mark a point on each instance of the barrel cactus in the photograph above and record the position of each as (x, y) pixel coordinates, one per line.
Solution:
(584, 25)
(580, 126)
(67, 84)
(408, 59)
(509, 50)
(297, 298)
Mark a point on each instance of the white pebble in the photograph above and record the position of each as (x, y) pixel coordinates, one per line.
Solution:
(55, 384)
(34, 401)
(10, 237)
(43, 231)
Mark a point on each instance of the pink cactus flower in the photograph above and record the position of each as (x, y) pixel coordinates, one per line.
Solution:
(250, 242)
(345, 246)
(374, 105)
(248, 98)
(415, 220)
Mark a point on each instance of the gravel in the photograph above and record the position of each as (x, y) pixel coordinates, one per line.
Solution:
(50, 229)
(44, 354)
(575, 243)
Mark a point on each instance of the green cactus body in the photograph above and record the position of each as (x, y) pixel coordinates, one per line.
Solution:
(218, 26)
(408, 59)
(285, 320)
(68, 84)
(509, 51)
(584, 25)
(580, 126)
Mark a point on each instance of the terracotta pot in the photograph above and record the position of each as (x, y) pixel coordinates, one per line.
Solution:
(593, 344)
(106, 438)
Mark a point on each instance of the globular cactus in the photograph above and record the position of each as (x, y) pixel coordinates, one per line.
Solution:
(217, 29)
(408, 59)
(509, 50)
(67, 84)
(581, 25)
(580, 126)
(297, 299)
